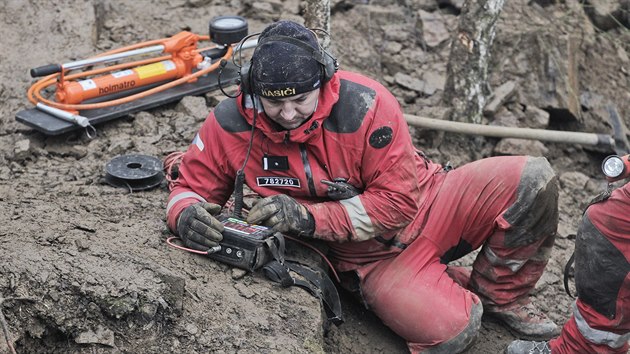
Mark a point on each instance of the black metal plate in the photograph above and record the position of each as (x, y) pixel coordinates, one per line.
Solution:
(51, 125)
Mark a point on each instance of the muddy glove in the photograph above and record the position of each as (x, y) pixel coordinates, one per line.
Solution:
(198, 228)
(339, 189)
(283, 214)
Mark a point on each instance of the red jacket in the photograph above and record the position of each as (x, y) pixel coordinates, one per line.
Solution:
(357, 132)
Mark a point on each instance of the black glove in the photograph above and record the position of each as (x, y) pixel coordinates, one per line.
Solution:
(283, 214)
(198, 228)
(340, 189)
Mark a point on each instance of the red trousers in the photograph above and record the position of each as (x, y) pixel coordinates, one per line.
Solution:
(508, 205)
(601, 315)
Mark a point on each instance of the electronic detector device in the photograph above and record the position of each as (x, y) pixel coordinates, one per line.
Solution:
(244, 245)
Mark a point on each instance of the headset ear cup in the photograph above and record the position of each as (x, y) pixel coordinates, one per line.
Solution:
(330, 66)
(244, 73)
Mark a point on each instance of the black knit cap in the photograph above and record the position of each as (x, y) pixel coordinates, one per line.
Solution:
(283, 67)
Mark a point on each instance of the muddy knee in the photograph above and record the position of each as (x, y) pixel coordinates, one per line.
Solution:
(534, 214)
(465, 338)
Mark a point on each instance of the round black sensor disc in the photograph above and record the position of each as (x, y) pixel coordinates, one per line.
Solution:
(134, 172)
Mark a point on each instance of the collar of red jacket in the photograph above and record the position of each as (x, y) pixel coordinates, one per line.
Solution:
(328, 96)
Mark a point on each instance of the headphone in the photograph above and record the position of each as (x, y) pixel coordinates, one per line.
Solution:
(328, 63)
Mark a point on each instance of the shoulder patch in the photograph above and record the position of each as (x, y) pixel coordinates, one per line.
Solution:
(228, 117)
(381, 137)
(354, 102)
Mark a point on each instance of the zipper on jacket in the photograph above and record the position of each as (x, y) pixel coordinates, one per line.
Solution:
(287, 137)
(308, 171)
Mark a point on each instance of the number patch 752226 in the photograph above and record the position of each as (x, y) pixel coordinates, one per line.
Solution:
(278, 182)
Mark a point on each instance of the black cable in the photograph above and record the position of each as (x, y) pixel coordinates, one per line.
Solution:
(240, 174)
(221, 66)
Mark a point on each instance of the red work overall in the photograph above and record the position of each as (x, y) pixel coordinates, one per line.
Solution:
(601, 315)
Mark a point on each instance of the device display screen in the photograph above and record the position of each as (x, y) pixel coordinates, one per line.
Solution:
(243, 228)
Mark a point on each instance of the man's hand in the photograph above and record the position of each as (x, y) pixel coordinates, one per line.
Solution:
(198, 228)
(283, 214)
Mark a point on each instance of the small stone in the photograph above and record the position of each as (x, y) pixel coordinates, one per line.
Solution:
(192, 329)
(238, 273)
(21, 149)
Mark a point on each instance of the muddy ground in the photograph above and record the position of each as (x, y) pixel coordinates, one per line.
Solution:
(84, 267)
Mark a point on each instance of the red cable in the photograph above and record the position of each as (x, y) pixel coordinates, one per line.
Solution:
(170, 242)
(332, 269)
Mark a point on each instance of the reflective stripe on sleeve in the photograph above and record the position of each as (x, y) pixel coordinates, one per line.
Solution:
(361, 222)
(181, 196)
(596, 336)
(513, 264)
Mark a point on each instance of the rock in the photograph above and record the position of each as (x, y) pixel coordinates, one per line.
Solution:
(512, 146)
(261, 10)
(244, 290)
(536, 118)
(409, 96)
(193, 106)
(623, 55)
(119, 307)
(590, 100)
(145, 123)
(396, 33)
(185, 124)
(418, 85)
(238, 273)
(409, 82)
(102, 336)
(573, 180)
(63, 149)
(434, 28)
(5, 173)
(566, 228)
(547, 279)
(505, 118)
(433, 81)
(548, 70)
(22, 149)
(499, 97)
(148, 311)
(192, 329)
(120, 146)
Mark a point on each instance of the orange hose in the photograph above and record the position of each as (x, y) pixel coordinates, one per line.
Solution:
(34, 95)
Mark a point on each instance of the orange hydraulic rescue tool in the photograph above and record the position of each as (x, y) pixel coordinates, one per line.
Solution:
(174, 69)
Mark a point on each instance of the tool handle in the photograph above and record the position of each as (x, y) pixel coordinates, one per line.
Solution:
(595, 139)
(46, 70)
